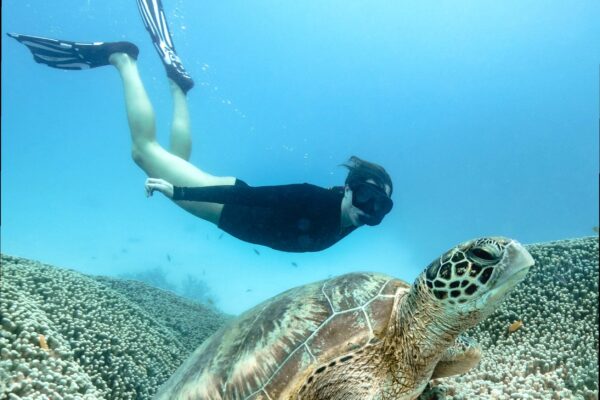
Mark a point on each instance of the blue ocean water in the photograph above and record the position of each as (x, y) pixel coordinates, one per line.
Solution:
(484, 113)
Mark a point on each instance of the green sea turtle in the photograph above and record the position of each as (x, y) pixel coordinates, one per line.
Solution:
(358, 336)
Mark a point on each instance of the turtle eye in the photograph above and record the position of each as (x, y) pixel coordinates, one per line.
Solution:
(484, 255)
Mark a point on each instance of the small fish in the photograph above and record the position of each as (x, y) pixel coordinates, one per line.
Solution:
(294, 265)
(168, 257)
(43, 343)
(257, 252)
(221, 235)
(515, 326)
(248, 290)
(596, 229)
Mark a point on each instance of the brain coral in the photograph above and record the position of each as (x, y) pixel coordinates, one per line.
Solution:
(103, 341)
(189, 321)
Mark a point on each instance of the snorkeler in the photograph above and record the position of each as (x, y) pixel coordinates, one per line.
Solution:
(294, 218)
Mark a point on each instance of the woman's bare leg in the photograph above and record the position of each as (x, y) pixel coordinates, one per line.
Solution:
(181, 138)
(149, 155)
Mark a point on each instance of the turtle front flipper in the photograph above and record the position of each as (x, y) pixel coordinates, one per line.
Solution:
(459, 358)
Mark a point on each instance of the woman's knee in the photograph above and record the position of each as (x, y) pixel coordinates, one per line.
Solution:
(137, 156)
(142, 156)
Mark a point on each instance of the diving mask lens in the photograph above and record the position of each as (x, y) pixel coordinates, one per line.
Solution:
(373, 201)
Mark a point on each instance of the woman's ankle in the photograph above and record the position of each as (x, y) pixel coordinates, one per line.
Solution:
(120, 59)
(175, 88)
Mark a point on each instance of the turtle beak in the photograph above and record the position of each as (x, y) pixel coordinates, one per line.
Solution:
(517, 262)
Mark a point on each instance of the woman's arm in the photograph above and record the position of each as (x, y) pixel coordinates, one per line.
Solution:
(295, 195)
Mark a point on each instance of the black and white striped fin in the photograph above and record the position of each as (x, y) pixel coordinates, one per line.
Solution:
(155, 21)
(64, 54)
(52, 52)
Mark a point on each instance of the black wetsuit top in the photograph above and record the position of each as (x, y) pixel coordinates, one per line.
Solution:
(294, 218)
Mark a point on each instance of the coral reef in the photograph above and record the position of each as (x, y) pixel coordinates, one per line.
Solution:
(191, 321)
(65, 335)
(156, 277)
(190, 286)
(553, 355)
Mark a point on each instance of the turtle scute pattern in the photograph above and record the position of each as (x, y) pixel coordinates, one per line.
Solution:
(289, 339)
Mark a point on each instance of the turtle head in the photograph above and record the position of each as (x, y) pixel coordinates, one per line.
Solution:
(474, 277)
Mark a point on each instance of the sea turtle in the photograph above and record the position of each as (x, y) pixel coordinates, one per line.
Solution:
(358, 336)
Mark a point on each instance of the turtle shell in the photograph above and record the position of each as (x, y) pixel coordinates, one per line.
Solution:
(273, 347)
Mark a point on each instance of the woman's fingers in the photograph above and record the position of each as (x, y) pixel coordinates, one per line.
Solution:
(161, 185)
(154, 180)
(151, 185)
(149, 190)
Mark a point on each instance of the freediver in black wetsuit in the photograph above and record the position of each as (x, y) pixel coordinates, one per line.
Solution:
(298, 217)
(294, 218)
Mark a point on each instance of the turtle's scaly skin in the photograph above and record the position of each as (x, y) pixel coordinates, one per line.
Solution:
(287, 339)
(458, 359)
(359, 336)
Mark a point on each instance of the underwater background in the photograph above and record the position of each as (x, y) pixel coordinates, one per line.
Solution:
(484, 113)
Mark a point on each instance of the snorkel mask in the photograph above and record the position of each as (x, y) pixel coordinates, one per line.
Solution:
(372, 200)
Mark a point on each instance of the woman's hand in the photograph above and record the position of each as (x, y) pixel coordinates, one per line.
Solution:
(160, 185)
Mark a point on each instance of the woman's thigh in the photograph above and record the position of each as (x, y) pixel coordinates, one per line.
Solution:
(159, 163)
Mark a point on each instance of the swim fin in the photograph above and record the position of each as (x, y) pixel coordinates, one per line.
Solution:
(64, 54)
(156, 24)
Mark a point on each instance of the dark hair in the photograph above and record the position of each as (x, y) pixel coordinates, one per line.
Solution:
(360, 171)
